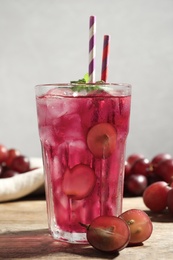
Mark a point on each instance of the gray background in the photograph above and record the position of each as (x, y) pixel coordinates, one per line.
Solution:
(46, 41)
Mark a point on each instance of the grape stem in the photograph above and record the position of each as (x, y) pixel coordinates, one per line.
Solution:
(84, 225)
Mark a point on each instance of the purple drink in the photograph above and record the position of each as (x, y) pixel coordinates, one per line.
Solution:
(83, 136)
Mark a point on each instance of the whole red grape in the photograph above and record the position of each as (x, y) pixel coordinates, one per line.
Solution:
(155, 196)
(136, 184)
(3, 153)
(165, 170)
(20, 164)
(141, 166)
(12, 153)
(156, 160)
(131, 159)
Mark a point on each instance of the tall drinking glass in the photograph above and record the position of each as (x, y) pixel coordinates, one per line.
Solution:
(83, 130)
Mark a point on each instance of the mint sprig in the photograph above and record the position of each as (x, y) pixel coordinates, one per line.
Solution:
(83, 87)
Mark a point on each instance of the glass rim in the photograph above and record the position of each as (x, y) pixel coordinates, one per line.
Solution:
(127, 85)
(83, 89)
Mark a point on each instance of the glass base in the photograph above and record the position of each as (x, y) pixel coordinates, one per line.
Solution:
(73, 238)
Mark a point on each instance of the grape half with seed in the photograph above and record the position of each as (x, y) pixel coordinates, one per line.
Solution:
(140, 225)
(101, 140)
(108, 233)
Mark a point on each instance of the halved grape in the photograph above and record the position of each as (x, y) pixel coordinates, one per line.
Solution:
(139, 223)
(108, 233)
(78, 182)
(101, 140)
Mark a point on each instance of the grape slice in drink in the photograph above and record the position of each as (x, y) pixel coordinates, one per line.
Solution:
(78, 182)
(101, 140)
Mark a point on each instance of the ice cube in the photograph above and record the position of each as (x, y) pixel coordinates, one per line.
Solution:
(58, 106)
(47, 135)
(68, 128)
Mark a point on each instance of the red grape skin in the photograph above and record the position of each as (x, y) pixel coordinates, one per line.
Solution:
(141, 166)
(170, 201)
(158, 159)
(127, 169)
(136, 184)
(131, 159)
(140, 225)
(12, 153)
(3, 153)
(20, 164)
(8, 173)
(155, 196)
(165, 170)
(1, 170)
(12, 162)
(152, 177)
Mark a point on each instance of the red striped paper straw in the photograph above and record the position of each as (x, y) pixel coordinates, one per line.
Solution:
(92, 48)
(105, 58)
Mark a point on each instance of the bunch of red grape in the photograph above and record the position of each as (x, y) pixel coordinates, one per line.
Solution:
(12, 162)
(152, 179)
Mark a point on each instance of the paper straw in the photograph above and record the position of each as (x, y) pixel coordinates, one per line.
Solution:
(105, 57)
(92, 48)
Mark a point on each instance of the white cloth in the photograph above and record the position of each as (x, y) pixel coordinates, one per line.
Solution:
(23, 184)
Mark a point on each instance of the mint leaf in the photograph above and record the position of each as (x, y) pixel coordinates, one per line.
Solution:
(86, 77)
(84, 80)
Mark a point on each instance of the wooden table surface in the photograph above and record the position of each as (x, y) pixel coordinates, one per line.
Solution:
(24, 235)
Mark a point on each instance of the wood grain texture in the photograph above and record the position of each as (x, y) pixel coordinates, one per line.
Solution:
(24, 235)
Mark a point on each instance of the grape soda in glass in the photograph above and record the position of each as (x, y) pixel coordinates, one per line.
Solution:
(83, 130)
